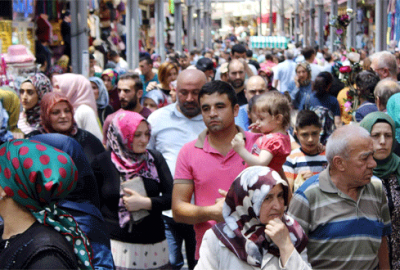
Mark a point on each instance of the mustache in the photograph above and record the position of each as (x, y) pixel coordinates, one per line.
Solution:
(190, 103)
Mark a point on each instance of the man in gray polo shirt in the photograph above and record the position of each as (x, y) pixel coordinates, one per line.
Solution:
(172, 127)
(344, 210)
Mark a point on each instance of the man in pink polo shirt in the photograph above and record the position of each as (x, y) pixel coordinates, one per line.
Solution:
(207, 166)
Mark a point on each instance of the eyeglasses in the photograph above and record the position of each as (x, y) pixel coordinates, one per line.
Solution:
(376, 69)
(256, 91)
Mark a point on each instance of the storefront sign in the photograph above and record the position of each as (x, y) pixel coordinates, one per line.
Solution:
(23, 8)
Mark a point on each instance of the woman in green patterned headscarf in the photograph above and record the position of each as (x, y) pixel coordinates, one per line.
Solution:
(382, 129)
(36, 233)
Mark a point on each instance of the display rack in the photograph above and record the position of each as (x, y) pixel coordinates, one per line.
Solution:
(5, 34)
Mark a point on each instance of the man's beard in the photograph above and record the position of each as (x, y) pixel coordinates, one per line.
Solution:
(236, 83)
(131, 104)
(192, 112)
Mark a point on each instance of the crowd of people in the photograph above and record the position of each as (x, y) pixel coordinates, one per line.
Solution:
(253, 161)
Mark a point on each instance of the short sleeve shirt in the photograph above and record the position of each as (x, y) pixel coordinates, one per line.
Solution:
(146, 83)
(328, 101)
(208, 170)
(340, 229)
(278, 145)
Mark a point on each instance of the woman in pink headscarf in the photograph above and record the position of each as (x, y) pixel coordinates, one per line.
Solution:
(137, 241)
(79, 92)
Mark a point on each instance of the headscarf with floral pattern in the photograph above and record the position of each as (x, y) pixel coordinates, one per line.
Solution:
(42, 86)
(242, 232)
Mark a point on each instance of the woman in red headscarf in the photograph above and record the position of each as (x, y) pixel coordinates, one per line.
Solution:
(57, 116)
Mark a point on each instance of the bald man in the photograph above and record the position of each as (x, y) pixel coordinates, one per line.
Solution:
(383, 91)
(171, 127)
(255, 85)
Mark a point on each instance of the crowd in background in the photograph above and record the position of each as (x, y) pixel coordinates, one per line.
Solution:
(165, 135)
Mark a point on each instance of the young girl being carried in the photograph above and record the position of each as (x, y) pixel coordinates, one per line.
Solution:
(273, 119)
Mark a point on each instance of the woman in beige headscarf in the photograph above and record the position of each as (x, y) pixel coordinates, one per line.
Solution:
(11, 103)
(79, 92)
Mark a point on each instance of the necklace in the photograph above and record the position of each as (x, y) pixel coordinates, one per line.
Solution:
(8, 241)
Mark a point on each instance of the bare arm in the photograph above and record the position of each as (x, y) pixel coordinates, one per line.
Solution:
(283, 175)
(185, 212)
(338, 121)
(247, 69)
(18, 135)
(249, 72)
(383, 254)
(263, 159)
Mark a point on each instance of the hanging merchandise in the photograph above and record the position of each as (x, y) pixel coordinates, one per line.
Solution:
(94, 25)
(94, 4)
(21, 29)
(49, 7)
(18, 63)
(5, 34)
(340, 23)
(397, 21)
(360, 15)
(391, 9)
(44, 30)
(3, 73)
(361, 26)
(105, 15)
(23, 8)
(171, 7)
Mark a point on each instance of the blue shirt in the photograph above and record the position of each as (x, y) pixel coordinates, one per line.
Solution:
(285, 73)
(364, 109)
(328, 101)
(145, 84)
(298, 93)
(242, 120)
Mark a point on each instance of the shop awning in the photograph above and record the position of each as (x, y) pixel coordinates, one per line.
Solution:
(258, 42)
(265, 18)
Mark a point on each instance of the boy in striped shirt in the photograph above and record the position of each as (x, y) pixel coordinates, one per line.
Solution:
(309, 159)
